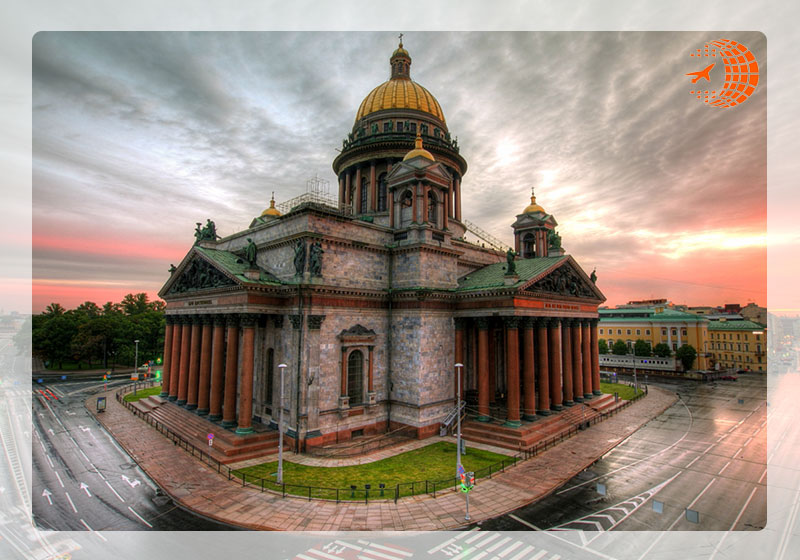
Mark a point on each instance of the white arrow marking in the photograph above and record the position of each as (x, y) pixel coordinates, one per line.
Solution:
(85, 488)
(134, 483)
(70, 413)
(46, 494)
(52, 433)
(85, 429)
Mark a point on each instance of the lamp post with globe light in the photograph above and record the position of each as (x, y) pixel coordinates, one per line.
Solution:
(458, 416)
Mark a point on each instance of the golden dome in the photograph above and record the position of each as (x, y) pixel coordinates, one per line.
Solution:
(271, 211)
(400, 91)
(533, 207)
(418, 150)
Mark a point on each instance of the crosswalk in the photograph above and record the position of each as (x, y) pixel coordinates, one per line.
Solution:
(469, 545)
(476, 545)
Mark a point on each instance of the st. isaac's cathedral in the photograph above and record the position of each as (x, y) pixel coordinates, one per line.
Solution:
(370, 300)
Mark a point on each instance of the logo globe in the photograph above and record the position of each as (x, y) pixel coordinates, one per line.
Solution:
(741, 73)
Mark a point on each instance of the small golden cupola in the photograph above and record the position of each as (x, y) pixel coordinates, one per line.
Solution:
(418, 150)
(533, 207)
(271, 211)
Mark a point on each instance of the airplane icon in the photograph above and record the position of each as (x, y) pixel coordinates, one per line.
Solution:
(701, 74)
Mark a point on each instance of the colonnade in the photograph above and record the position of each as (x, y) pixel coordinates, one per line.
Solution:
(547, 363)
(201, 366)
(350, 184)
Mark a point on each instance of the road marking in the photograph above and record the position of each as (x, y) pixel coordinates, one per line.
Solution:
(475, 537)
(49, 460)
(693, 462)
(59, 479)
(725, 467)
(390, 549)
(347, 545)
(511, 548)
(522, 553)
(498, 544)
(93, 531)
(133, 483)
(762, 476)
(324, 554)
(378, 554)
(115, 492)
(46, 494)
(520, 520)
(137, 515)
(748, 441)
(85, 488)
(448, 542)
(74, 509)
(484, 542)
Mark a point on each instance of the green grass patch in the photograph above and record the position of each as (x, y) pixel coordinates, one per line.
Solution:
(142, 393)
(435, 463)
(625, 392)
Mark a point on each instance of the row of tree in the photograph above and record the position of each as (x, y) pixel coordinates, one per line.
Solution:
(99, 336)
(686, 353)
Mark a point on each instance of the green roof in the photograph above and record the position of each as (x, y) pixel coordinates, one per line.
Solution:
(236, 266)
(735, 325)
(493, 275)
(646, 314)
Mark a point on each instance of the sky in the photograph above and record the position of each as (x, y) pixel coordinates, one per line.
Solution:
(137, 136)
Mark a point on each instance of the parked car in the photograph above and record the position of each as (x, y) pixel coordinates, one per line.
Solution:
(728, 378)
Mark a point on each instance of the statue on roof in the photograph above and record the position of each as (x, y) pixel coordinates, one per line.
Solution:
(554, 240)
(172, 268)
(250, 253)
(512, 266)
(206, 233)
(299, 257)
(315, 259)
(593, 276)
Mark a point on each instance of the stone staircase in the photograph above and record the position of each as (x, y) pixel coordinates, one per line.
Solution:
(228, 447)
(539, 430)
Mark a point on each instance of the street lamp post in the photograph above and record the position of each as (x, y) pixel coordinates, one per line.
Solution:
(281, 367)
(458, 416)
(136, 366)
(635, 384)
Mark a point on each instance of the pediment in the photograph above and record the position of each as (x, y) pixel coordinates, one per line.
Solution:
(196, 274)
(538, 219)
(565, 279)
(415, 165)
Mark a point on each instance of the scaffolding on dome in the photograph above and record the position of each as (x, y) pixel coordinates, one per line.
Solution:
(490, 239)
(317, 192)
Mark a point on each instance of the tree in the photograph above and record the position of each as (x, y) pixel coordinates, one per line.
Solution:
(619, 348)
(686, 354)
(603, 346)
(642, 348)
(54, 309)
(133, 304)
(662, 350)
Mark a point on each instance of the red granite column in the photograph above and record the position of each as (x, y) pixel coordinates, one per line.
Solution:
(587, 360)
(555, 365)
(194, 364)
(492, 358)
(248, 362)
(446, 208)
(542, 373)
(528, 372)
(217, 369)
(459, 355)
(167, 357)
(205, 366)
(566, 360)
(512, 371)
(183, 381)
(483, 369)
(577, 362)
(457, 191)
(341, 191)
(594, 351)
(372, 203)
(347, 182)
(175, 360)
(231, 372)
(357, 205)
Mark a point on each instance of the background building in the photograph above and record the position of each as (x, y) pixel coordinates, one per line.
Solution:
(737, 343)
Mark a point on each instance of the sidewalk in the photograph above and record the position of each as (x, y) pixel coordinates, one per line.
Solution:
(198, 488)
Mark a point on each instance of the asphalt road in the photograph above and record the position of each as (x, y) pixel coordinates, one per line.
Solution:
(82, 480)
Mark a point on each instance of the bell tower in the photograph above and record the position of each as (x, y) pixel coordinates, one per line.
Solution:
(535, 232)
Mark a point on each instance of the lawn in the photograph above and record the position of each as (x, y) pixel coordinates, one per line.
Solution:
(625, 392)
(435, 463)
(142, 393)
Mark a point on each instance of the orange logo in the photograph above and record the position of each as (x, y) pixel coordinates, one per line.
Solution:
(741, 73)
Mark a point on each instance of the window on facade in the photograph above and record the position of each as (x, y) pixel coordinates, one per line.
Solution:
(683, 332)
(529, 248)
(647, 332)
(387, 126)
(601, 331)
(674, 345)
(355, 377)
(663, 332)
(619, 331)
(413, 128)
(629, 331)
(406, 201)
(638, 331)
(382, 192)
(400, 127)
(423, 129)
(674, 332)
(363, 194)
(432, 207)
